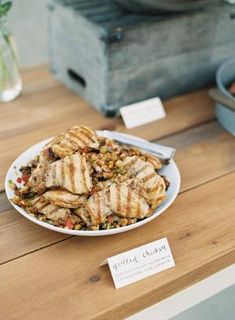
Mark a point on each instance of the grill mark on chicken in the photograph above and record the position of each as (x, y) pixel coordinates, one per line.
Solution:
(84, 137)
(132, 161)
(128, 200)
(62, 172)
(66, 145)
(83, 174)
(36, 201)
(42, 206)
(138, 210)
(78, 138)
(97, 198)
(105, 201)
(74, 145)
(54, 172)
(142, 169)
(77, 142)
(72, 175)
(108, 196)
(148, 177)
(154, 188)
(44, 173)
(118, 194)
(154, 161)
(88, 133)
(52, 210)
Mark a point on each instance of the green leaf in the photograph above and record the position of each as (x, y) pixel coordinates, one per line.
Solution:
(4, 8)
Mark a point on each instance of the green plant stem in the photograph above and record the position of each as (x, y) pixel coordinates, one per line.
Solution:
(8, 40)
(3, 72)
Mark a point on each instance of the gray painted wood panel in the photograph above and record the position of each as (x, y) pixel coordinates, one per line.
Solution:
(112, 58)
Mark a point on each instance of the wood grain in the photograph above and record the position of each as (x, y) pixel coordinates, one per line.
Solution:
(44, 110)
(65, 280)
(4, 203)
(195, 170)
(20, 236)
(203, 153)
(48, 275)
(122, 65)
(37, 79)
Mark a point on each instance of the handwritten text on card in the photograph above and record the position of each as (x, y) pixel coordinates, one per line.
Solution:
(136, 264)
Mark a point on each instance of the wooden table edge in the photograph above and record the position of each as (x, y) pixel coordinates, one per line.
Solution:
(169, 289)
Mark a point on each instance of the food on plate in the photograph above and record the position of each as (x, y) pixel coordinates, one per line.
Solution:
(70, 173)
(153, 183)
(231, 88)
(69, 142)
(83, 181)
(124, 199)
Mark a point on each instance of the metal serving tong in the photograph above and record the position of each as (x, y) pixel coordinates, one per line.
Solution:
(219, 97)
(162, 152)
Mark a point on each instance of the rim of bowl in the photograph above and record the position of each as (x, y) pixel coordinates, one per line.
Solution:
(219, 75)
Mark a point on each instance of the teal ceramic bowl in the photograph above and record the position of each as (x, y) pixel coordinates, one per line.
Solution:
(224, 76)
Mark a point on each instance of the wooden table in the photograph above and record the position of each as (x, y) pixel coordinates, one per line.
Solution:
(47, 275)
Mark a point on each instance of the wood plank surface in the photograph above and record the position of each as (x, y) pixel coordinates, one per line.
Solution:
(65, 280)
(47, 275)
(47, 108)
(19, 236)
(196, 151)
(4, 203)
(203, 153)
(37, 79)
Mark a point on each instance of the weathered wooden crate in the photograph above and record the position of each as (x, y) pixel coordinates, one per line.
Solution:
(113, 58)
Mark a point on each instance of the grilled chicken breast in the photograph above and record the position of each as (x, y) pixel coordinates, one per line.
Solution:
(98, 206)
(70, 173)
(121, 199)
(55, 213)
(79, 180)
(128, 202)
(63, 198)
(83, 213)
(154, 184)
(46, 153)
(69, 142)
(154, 161)
(52, 212)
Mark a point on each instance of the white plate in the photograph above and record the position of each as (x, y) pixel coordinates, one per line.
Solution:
(170, 171)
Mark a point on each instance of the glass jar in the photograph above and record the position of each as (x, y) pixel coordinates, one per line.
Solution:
(10, 79)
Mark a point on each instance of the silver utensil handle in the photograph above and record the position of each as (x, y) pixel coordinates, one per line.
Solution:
(162, 152)
(222, 99)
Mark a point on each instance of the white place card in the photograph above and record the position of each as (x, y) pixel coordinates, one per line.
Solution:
(141, 262)
(143, 112)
